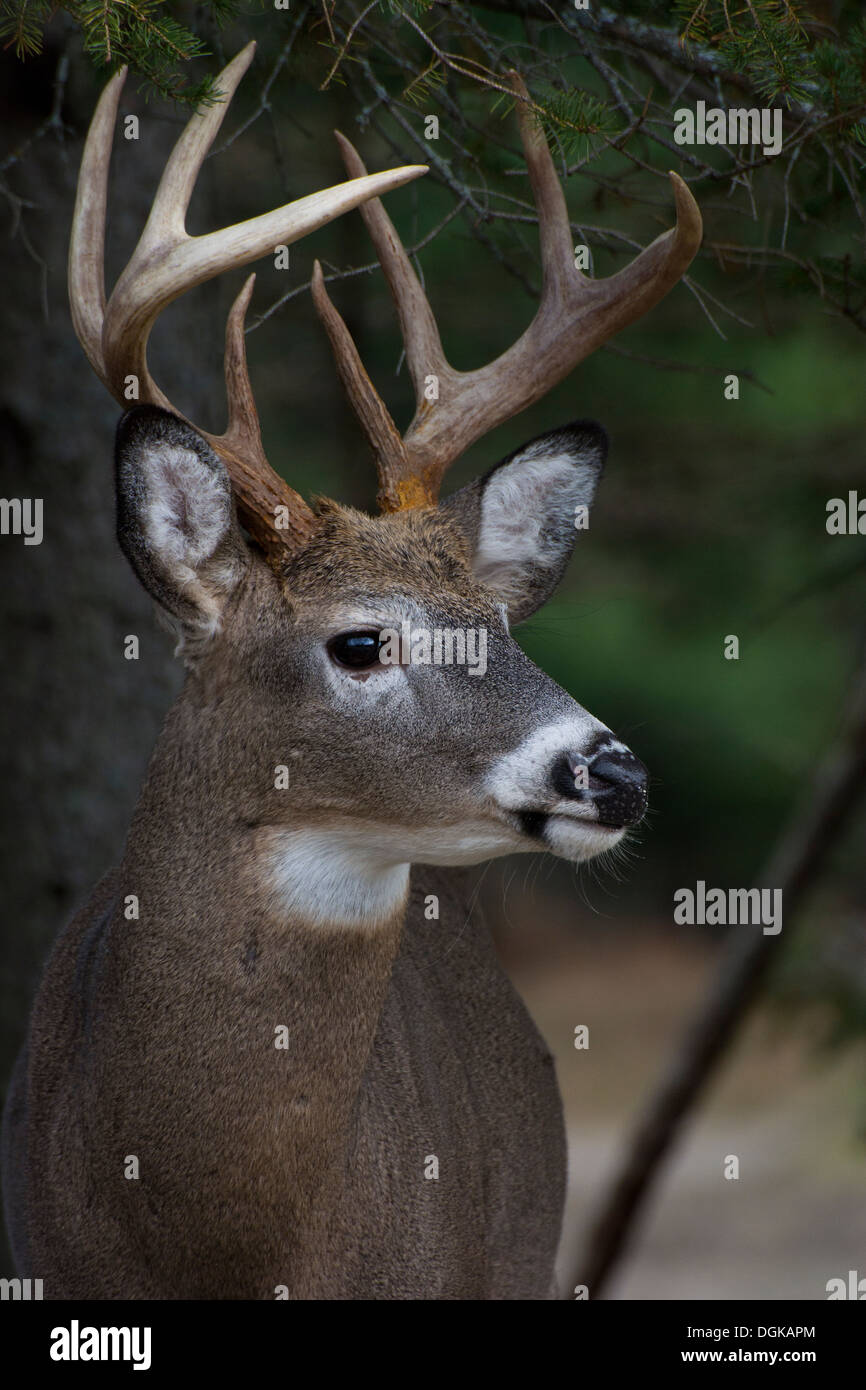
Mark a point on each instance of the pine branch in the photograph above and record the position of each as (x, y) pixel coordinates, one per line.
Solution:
(144, 34)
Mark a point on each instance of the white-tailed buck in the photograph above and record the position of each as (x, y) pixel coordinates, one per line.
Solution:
(275, 1054)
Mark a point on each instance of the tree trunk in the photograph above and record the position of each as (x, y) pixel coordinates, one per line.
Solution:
(78, 718)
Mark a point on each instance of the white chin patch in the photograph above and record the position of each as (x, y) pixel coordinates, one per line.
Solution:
(577, 840)
(357, 875)
(328, 878)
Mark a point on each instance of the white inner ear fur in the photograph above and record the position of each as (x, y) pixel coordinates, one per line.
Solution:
(187, 513)
(516, 507)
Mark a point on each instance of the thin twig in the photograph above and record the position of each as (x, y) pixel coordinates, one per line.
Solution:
(351, 272)
(265, 95)
(665, 364)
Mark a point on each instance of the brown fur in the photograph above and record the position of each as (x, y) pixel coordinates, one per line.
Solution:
(302, 1168)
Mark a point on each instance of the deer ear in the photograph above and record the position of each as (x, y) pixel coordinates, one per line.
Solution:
(175, 517)
(522, 518)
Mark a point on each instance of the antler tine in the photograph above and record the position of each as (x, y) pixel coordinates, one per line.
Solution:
(167, 219)
(424, 353)
(398, 488)
(400, 485)
(87, 241)
(575, 316)
(558, 271)
(650, 275)
(166, 262)
(259, 491)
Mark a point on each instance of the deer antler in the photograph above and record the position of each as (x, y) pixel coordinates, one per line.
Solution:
(575, 316)
(166, 262)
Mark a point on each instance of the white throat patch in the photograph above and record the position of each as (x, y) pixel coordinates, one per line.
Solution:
(329, 878)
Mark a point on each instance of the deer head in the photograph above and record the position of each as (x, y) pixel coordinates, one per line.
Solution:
(311, 635)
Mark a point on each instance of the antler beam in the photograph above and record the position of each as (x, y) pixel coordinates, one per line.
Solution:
(575, 316)
(168, 261)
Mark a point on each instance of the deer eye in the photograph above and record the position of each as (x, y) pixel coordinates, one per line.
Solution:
(355, 649)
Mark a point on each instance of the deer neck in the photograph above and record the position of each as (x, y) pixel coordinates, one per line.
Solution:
(257, 940)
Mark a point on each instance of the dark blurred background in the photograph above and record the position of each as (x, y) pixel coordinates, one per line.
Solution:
(710, 521)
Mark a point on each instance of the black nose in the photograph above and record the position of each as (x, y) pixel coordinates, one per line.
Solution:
(616, 781)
